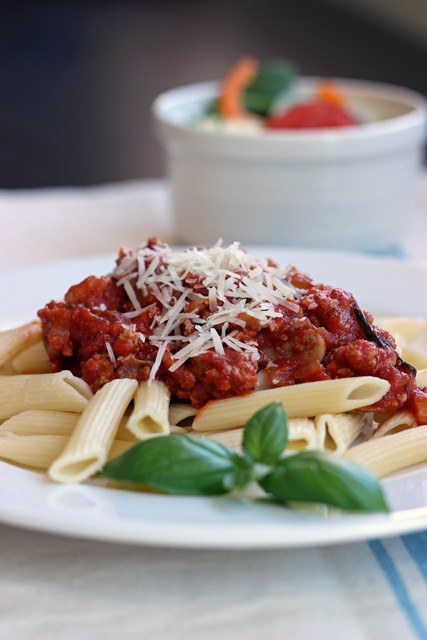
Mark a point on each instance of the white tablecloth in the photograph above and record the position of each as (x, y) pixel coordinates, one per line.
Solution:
(54, 588)
(52, 224)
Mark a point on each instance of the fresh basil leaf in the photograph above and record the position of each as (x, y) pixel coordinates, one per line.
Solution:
(259, 470)
(266, 435)
(177, 464)
(324, 478)
(237, 480)
(270, 81)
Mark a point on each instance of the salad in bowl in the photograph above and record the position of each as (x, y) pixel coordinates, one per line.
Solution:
(254, 97)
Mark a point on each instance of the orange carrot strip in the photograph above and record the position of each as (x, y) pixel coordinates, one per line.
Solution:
(241, 74)
(327, 91)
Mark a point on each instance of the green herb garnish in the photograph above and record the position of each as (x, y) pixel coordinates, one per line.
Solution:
(195, 466)
(271, 81)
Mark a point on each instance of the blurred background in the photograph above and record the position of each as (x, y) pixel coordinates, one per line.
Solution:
(77, 78)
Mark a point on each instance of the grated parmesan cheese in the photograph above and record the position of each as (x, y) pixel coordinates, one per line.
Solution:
(110, 352)
(227, 282)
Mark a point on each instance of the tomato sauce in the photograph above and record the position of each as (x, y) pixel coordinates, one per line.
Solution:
(321, 340)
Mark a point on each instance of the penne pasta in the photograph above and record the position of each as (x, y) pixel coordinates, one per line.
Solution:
(33, 450)
(53, 423)
(176, 429)
(34, 359)
(302, 434)
(342, 429)
(151, 409)
(40, 451)
(406, 327)
(51, 391)
(422, 378)
(38, 422)
(417, 358)
(300, 401)
(7, 369)
(405, 330)
(398, 421)
(87, 449)
(59, 423)
(231, 437)
(16, 340)
(179, 411)
(394, 452)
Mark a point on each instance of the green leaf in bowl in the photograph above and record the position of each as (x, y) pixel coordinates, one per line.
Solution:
(271, 81)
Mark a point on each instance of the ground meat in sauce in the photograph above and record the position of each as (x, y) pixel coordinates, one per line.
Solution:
(323, 340)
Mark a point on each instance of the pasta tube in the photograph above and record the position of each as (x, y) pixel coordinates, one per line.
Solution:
(231, 438)
(150, 414)
(405, 330)
(7, 369)
(41, 451)
(35, 422)
(406, 327)
(176, 429)
(342, 429)
(51, 391)
(180, 411)
(417, 358)
(302, 434)
(53, 423)
(384, 455)
(15, 340)
(59, 423)
(32, 360)
(422, 378)
(87, 449)
(300, 401)
(398, 421)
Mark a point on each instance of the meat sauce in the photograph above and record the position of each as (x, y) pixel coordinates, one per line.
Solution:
(321, 340)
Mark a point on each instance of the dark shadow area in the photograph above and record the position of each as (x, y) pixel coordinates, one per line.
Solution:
(78, 78)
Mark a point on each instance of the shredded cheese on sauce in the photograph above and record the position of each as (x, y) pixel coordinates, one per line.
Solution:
(110, 352)
(239, 286)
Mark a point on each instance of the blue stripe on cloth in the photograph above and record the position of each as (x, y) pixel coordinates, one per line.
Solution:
(400, 591)
(416, 544)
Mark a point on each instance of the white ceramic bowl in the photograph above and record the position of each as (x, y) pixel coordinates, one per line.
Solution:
(349, 188)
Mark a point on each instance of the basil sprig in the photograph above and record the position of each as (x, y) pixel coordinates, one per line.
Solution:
(195, 466)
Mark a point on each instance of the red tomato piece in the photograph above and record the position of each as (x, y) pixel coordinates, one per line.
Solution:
(311, 115)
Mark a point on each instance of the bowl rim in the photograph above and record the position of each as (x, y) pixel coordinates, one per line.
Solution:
(416, 118)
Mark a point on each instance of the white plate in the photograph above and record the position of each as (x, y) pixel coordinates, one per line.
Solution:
(29, 500)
